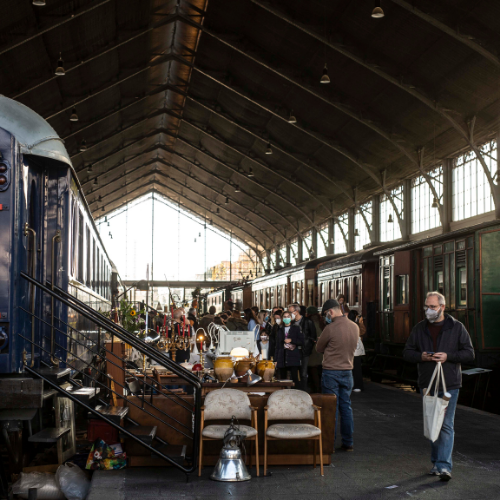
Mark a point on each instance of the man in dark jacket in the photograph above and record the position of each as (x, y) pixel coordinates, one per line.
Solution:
(208, 318)
(236, 323)
(440, 338)
(310, 336)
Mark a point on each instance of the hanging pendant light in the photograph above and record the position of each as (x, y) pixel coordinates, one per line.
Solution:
(227, 201)
(199, 235)
(39, 3)
(96, 182)
(325, 78)
(356, 232)
(60, 71)
(99, 199)
(237, 189)
(217, 211)
(83, 146)
(74, 116)
(377, 12)
(390, 220)
(108, 224)
(435, 203)
(102, 209)
(89, 168)
(106, 219)
(291, 118)
(250, 173)
(269, 150)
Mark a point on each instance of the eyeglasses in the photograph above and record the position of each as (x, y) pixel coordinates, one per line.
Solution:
(434, 308)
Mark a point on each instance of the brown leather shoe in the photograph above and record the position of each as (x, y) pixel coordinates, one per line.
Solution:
(346, 448)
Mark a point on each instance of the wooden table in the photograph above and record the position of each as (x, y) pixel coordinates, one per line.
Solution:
(266, 387)
(166, 378)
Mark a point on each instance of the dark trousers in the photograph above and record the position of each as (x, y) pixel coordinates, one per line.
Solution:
(294, 372)
(314, 378)
(357, 373)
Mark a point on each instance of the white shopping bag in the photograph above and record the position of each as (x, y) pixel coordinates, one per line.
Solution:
(434, 407)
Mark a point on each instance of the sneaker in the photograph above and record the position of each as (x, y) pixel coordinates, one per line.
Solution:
(346, 448)
(445, 475)
(356, 390)
(434, 471)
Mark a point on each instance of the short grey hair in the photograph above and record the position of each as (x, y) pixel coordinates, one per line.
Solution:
(440, 296)
(295, 307)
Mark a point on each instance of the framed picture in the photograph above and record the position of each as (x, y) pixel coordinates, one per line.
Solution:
(65, 417)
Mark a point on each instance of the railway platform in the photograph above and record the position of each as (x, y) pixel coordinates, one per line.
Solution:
(391, 459)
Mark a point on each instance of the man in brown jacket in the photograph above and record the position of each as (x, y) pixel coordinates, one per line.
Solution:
(338, 343)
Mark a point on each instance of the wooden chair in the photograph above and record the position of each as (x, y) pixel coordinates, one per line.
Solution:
(292, 404)
(222, 404)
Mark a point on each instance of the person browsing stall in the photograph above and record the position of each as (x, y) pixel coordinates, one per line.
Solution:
(338, 342)
(440, 338)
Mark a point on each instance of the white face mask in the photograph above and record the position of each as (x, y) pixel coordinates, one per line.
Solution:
(432, 315)
(278, 321)
(293, 315)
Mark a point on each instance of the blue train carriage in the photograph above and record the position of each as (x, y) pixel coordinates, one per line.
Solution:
(463, 266)
(47, 232)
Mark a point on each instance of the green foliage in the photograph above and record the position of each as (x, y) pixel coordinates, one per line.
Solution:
(130, 317)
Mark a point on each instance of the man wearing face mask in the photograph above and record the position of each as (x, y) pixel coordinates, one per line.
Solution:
(442, 338)
(338, 343)
(310, 336)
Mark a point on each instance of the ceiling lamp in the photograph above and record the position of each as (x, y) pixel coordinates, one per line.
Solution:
(74, 116)
(102, 209)
(199, 235)
(99, 199)
(291, 118)
(356, 232)
(250, 174)
(217, 211)
(60, 71)
(96, 182)
(89, 168)
(332, 241)
(390, 219)
(83, 146)
(269, 150)
(227, 201)
(237, 189)
(325, 78)
(377, 12)
(106, 219)
(435, 203)
(39, 3)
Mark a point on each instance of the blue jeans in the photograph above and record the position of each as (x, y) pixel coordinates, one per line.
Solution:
(340, 383)
(442, 448)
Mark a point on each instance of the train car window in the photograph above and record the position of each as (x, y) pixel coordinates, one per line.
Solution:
(94, 272)
(74, 248)
(462, 286)
(98, 273)
(346, 291)
(460, 245)
(427, 251)
(402, 289)
(440, 282)
(470, 242)
(322, 294)
(438, 250)
(102, 275)
(449, 247)
(337, 289)
(355, 287)
(387, 293)
(80, 248)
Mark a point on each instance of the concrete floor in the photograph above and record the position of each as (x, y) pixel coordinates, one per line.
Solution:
(389, 450)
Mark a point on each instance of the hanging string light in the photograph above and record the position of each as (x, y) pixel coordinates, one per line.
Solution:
(325, 78)
(60, 71)
(83, 146)
(237, 189)
(89, 168)
(356, 232)
(377, 12)
(227, 201)
(291, 118)
(39, 3)
(390, 219)
(250, 173)
(96, 182)
(269, 150)
(74, 115)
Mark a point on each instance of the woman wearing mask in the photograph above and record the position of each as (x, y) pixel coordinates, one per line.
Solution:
(357, 371)
(288, 353)
(276, 322)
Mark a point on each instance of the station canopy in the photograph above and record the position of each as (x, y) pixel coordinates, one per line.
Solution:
(218, 105)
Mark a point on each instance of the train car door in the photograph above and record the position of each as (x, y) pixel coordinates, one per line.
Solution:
(402, 264)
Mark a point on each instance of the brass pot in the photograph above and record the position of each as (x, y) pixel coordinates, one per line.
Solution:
(265, 369)
(242, 366)
(223, 368)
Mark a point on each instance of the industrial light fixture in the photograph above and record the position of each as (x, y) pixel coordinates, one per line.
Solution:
(199, 235)
(390, 220)
(217, 211)
(89, 168)
(109, 233)
(96, 182)
(325, 78)
(435, 203)
(377, 12)
(39, 3)
(60, 71)
(100, 199)
(195, 240)
(237, 189)
(108, 224)
(250, 173)
(269, 150)
(83, 146)
(356, 232)
(227, 201)
(332, 241)
(74, 116)
(291, 118)
(102, 209)
(106, 218)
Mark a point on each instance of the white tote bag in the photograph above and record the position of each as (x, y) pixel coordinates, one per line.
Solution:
(434, 407)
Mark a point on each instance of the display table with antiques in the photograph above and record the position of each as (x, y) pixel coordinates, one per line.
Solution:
(282, 452)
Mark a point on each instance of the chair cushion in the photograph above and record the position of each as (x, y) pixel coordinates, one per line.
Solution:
(293, 431)
(290, 404)
(222, 404)
(218, 431)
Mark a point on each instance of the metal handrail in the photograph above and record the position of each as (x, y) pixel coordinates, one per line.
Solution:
(55, 239)
(27, 230)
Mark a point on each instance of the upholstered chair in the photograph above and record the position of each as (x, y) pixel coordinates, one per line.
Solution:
(222, 404)
(291, 404)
